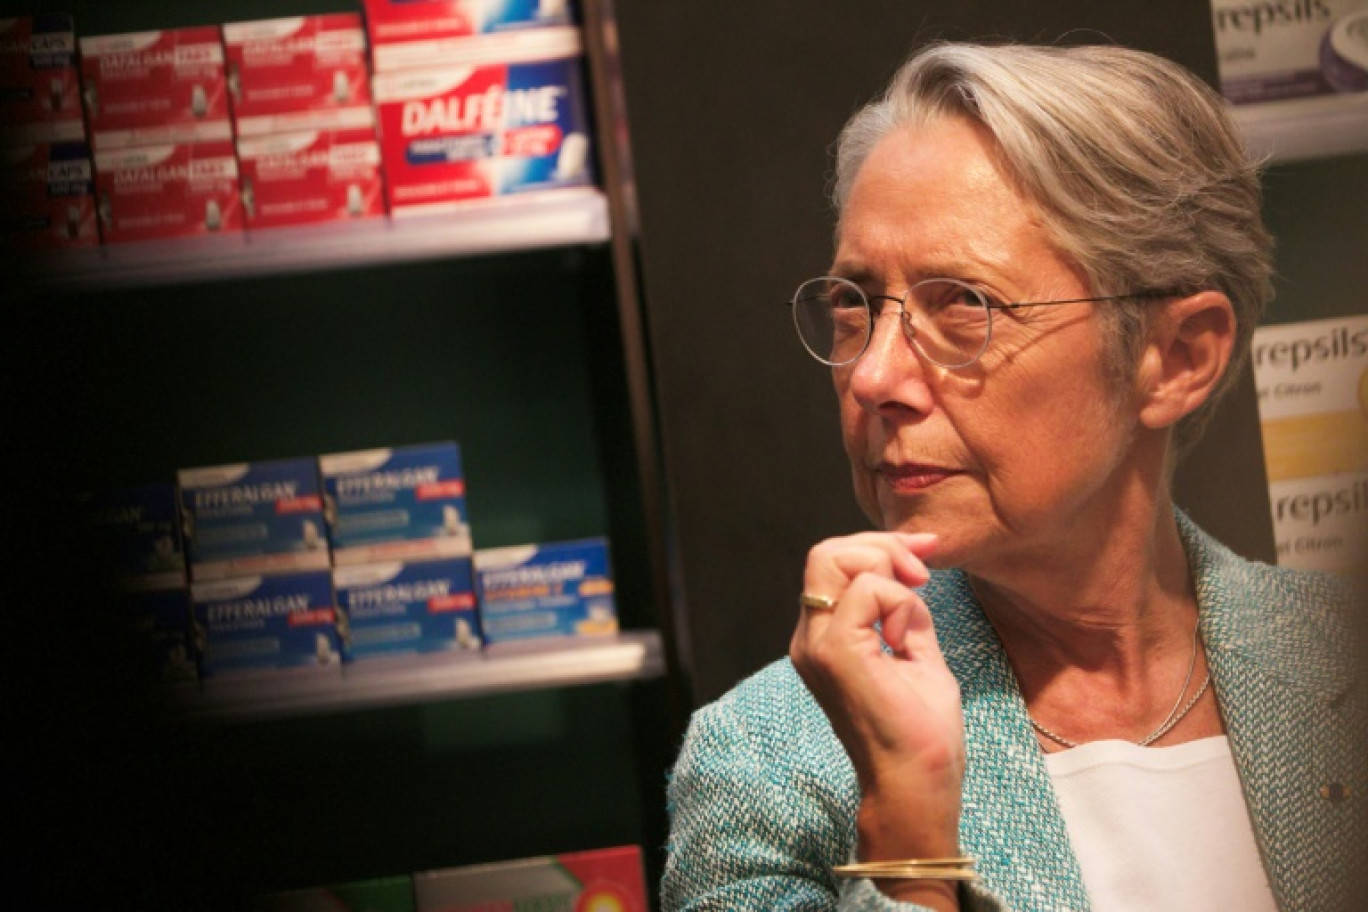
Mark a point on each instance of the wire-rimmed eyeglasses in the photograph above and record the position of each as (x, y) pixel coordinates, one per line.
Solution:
(949, 321)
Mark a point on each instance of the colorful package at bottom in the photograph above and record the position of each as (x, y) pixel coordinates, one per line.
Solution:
(154, 192)
(549, 590)
(382, 894)
(155, 88)
(40, 100)
(46, 197)
(602, 880)
(401, 503)
(1302, 49)
(266, 623)
(395, 608)
(136, 534)
(458, 134)
(306, 178)
(408, 33)
(250, 518)
(298, 73)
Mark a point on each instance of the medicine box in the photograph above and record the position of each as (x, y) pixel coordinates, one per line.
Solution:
(40, 100)
(153, 192)
(251, 518)
(266, 623)
(161, 622)
(1303, 49)
(457, 134)
(408, 33)
(298, 73)
(607, 879)
(402, 503)
(559, 589)
(155, 88)
(396, 608)
(46, 196)
(135, 533)
(381, 894)
(310, 177)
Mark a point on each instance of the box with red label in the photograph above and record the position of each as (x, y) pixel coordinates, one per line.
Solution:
(40, 99)
(144, 88)
(266, 623)
(408, 33)
(466, 133)
(398, 609)
(298, 73)
(167, 191)
(46, 200)
(597, 879)
(302, 178)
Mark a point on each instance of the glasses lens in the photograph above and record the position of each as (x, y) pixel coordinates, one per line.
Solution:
(952, 321)
(832, 316)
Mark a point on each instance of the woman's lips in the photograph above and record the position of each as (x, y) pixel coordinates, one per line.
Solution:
(910, 477)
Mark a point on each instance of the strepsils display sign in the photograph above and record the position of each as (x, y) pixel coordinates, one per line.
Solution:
(407, 33)
(476, 132)
(404, 503)
(257, 623)
(1312, 383)
(144, 88)
(46, 199)
(40, 99)
(556, 589)
(252, 518)
(304, 178)
(298, 73)
(136, 533)
(1283, 49)
(153, 192)
(396, 608)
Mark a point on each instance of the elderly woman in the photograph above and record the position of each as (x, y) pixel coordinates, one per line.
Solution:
(1048, 265)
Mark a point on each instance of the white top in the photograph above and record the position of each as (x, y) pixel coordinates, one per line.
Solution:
(1160, 827)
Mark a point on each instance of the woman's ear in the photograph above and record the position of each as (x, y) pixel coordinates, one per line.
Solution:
(1189, 347)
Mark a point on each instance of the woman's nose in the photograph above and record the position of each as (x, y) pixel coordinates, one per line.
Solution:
(891, 369)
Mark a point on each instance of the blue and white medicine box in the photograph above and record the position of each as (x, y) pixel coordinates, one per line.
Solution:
(557, 589)
(161, 621)
(398, 608)
(406, 503)
(135, 533)
(251, 518)
(269, 622)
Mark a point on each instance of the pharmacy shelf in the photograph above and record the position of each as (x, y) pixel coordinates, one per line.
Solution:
(552, 219)
(1297, 129)
(629, 656)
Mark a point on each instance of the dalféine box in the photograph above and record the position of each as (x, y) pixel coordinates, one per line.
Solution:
(408, 33)
(558, 589)
(267, 623)
(152, 192)
(607, 879)
(402, 503)
(152, 88)
(457, 134)
(310, 177)
(40, 100)
(46, 196)
(298, 73)
(251, 518)
(415, 608)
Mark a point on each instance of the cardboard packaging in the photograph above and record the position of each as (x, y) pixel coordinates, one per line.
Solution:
(155, 88)
(607, 879)
(458, 134)
(255, 624)
(411, 33)
(252, 518)
(404, 503)
(302, 73)
(1298, 49)
(40, 100)
(312, 177)
(558, 589)
(153, 192)
(46, 197)
(136, 535)
(381, 894)
(407, 609)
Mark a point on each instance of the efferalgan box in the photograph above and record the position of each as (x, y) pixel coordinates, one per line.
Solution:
(556, 589)
(249, 625)
(397, 609)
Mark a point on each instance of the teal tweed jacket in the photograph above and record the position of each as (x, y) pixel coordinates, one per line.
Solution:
(762, 797)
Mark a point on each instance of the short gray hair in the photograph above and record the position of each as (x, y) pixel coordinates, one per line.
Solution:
(1138, 172)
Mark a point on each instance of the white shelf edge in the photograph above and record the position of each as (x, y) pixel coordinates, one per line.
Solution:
(629, 656)
(1305, 128)
(531, 221)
